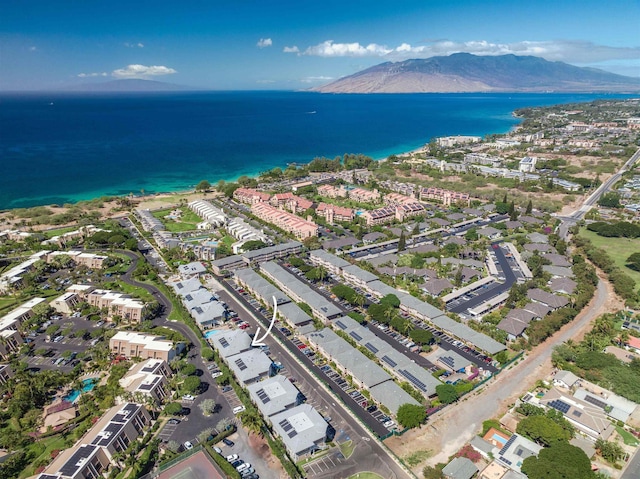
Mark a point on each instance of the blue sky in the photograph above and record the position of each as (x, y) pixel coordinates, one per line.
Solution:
(281, 44)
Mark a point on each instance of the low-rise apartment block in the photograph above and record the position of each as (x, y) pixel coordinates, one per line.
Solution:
(65, 303)
(364, 196)
(148, 378)
(117, 304)
(93, 454)
(302, 429)
(332, 213)
(6, 373)
(90, 260)
(274, 395)
(395, 199)
(446, 197)
(250, 258)
(250, 196)
(290, 202)
(289, 222)
(331, 191)
(209, 213)
(132, 344)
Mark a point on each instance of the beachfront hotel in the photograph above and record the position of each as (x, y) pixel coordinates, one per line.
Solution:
(289, 222)
(332, 213)
(250, 196)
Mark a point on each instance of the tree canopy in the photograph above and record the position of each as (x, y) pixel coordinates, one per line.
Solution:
(411, 415)
(559, 461)
(542, 430)
(204, 185)
(447, 393)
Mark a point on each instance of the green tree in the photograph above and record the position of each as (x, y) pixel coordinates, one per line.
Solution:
(610, 451)
(421, 336)
(207, 406)
(542, 430)
(446, 393)
(172, 408)
(610, 200)
(390, 300)
(559, 461)
(411, 415)
(529, 208)
(191, 384)
(402, 242)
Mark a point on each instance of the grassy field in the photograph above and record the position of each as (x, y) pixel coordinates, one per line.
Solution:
(618, 249)
(46, 446)
(59, 231)
(346, 448)
(187, 222)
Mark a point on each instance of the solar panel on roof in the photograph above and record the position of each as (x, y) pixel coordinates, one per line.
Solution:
(576, 413)
(241, 365)
(389, 361)
(595, 401)
(371, 348)
(224, 343)
(416, 382)
(561, 406)
(341, 324)
(356, 336)
(293, 433)
(508, 444)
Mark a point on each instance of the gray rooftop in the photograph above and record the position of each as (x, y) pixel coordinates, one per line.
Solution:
(293, 314)
(229, 343)
(300, 428)
(276, 249)
(250, 365)
(273, 395)
(262, 288)
(360, 273)
(460, 468)
(329, 258)
(392, 396)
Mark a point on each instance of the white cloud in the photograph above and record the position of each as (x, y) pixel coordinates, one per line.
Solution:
(557, 50)
(264, 42)
(141, 71)
(33, 49)
(316, 79)
(92, 75)
(331, 49)
(134, 45)
(293, 49)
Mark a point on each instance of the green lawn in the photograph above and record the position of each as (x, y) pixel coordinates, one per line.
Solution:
(187, 222)
(46, 446)
(7, 303)
(141, 293)
(618, 250)
(628, 438)
(347, 448)
(59, 231)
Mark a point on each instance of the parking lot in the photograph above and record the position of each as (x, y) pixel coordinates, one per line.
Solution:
(324, 464)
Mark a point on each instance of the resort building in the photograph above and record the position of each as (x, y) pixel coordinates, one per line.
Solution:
(250, 258)
(250, 196)
(528, 164)
(6, 373)
(90, 260)
(331, 191)
(395, 199)
(380, 216)
(364, 196)
(79, 234)
(250, 366)
(148, 378)
(449, 141)
(65, 303)
(10, 342)
(209, 213)
(132, 344)
(446, 197)
(290, 202)
(95, 452)
(332, 213)
(117, 304)
(230, 343)
(289, 222)
(12, 279)
(14, 318)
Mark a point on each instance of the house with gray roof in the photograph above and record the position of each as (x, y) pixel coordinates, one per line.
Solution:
(196, 298)
(490, 232)
(209, 314)
(452, 360)
(191, 270)
(436, 286)
(460, 468)
(521, 315)
(538, 238)
(539, 247)
(250, 366)
(341, 243)
(228, 264)
(539, 309)
(563, 285)
(274, 395)
(182, 288)
(302, 430)
(372, 237)
(513, 327)
(229, 343)
(557, 260)
(549, 299)
(294, 315)
(516, 450)
(391, 395)
(565, 379)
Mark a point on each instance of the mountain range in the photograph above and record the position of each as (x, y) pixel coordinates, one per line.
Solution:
(464, 72)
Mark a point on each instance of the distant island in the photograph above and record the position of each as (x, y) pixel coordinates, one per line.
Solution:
(466, 73)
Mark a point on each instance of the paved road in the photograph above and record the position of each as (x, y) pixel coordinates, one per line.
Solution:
(454, 427)
(509, 280)
(632, 470)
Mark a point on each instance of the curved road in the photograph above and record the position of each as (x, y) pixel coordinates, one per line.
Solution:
(452, 428)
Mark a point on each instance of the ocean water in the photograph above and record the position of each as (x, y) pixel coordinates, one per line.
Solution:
(58, 148)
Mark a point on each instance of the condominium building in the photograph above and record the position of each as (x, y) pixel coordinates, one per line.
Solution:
(394, 199)
(331, 191)
(65, 303)
(447, 197)
(250, 196)
(6, 373)
(90, 260)
(132, 344)
(289, 222)
(290, 202)
(10, 342)
(364, 196)
(117, 304)
(209, 213)
(93, 454)
(332, 213)
(149, 378)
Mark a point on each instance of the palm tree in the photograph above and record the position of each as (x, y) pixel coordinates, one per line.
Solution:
(252, 420)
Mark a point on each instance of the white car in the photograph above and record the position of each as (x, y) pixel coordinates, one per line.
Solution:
(188, 397)
(188, 445)
(238, 409)
(232, 457)
(216, 374)
(242, 467)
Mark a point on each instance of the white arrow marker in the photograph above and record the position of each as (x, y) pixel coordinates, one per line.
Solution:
(258, 342)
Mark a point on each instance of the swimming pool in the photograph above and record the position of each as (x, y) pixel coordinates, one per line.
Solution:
(87, 385)
(208, 334)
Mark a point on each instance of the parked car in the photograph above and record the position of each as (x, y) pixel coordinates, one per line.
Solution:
(238, 409)
(188, 397)
(173, 421)
(226, 389)
(188, 445)
(232, 457)
(228, 442)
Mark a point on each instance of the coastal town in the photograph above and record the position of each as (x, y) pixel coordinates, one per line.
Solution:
(465, 310)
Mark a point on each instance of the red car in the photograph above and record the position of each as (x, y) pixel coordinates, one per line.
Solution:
(302, 346)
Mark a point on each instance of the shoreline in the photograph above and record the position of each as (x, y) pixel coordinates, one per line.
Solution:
(167, 189)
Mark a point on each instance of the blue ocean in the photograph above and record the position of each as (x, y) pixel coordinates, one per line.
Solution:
(60, 148)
